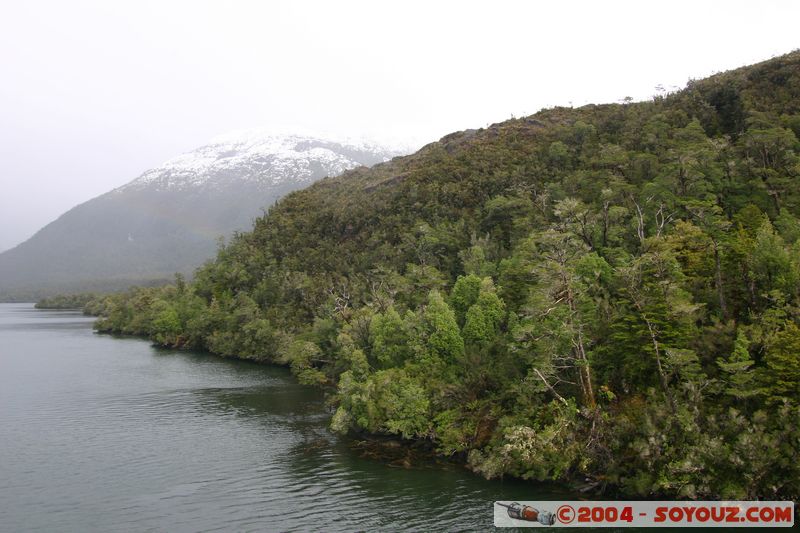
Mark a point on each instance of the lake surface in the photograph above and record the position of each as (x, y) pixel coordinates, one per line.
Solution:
(99, 433)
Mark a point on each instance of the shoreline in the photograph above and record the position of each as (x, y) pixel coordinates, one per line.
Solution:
(393, 450)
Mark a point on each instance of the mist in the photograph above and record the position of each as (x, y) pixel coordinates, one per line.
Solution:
(94, 93)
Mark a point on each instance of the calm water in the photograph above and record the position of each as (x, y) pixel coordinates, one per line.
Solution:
(105, 434)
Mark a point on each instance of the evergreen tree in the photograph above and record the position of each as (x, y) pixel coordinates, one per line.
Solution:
(783, 365)
(738, 374)
(444, 342)
(484, 317)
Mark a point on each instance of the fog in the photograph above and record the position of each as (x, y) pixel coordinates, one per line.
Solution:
(94, 93)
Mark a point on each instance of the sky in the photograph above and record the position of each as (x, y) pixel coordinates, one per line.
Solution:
(93, 93)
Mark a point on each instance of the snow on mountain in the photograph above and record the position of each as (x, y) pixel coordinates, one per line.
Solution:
(170, 218)
(263, 158)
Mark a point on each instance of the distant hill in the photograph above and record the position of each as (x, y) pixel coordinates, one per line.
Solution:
(171, 218)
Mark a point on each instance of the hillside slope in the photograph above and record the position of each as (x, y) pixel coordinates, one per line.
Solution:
(611, 291)
(170, 218)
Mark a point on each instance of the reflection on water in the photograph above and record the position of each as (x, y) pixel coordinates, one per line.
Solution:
(112, 434)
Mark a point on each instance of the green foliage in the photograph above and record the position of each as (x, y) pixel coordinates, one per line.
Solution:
(66, 301)
(476, 259)
(444, 342)
(484, 317)
(783, 365)
(609, 291)
(391, 339)
(166, 325)
(464, 295)
(545, 450)
(388, 401)
(738, 374)
(303, 355)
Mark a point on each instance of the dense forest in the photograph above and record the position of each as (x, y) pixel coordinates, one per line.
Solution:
(67, 301)
(611, 291)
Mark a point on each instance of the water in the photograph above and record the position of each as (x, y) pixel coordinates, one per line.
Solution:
(99, 433)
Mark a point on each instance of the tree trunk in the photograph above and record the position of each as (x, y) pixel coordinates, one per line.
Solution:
(580, 351)
(661, 375)
(550, 387)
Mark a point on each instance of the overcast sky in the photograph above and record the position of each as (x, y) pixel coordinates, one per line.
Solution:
(94, 93)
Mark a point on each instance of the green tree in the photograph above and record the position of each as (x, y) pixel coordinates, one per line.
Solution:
(484, 317)
(556, 316)
(391, 339)
(783, 365)
(737, 370)
(389, 401)
(770, 153)
(658, 314)
(464, 295)
(166, 324)
(444, 340)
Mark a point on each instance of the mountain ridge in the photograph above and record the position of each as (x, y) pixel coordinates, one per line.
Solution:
(170, 218)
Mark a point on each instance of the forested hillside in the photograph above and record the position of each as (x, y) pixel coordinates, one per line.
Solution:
(611, 291)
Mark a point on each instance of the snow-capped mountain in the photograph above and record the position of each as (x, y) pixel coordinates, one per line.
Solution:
(171, 218)
(262, 158)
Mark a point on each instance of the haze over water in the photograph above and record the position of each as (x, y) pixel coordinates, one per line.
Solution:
(106, 434)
